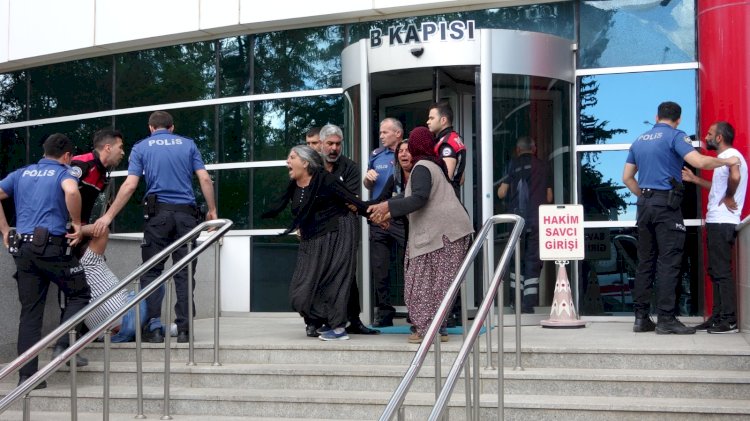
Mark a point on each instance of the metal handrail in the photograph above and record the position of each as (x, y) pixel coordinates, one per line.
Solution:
(473, 334)
(397, 399)
(221, 226)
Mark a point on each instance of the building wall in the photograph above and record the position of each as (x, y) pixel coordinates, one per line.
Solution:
(83, 28)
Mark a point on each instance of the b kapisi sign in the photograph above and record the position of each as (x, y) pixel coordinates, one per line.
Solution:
(561, 232)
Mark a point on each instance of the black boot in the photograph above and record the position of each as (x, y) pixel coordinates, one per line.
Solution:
(643, 323)
(384, 317)
(669, 324)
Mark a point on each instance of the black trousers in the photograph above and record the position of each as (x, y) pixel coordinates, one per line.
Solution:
(720, 241)
(160, 231)
(661, 238)
(34, 272)
(530, 269)
(382, 242)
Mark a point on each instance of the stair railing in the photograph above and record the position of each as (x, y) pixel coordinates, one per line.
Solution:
(220, 227)
(395, 404)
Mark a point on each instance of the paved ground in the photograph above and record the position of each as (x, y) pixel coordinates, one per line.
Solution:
(599, 333)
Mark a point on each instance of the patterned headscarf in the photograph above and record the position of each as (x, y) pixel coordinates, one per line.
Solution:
(422, 146)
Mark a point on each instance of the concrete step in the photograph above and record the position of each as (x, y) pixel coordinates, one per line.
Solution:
(89, 416)
(316, 404)
(351, 352)
(699, 384)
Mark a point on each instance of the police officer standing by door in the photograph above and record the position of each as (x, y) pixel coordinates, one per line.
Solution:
(45, 193)
(657, 156)
(168, 162)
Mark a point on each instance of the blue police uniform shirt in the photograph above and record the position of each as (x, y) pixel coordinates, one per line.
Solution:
(381, 160)
(39, 197)
(659, 155)
(168, 162)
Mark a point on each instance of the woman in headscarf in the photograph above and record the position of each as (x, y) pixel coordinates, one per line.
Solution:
(326, 259)
(439, 232)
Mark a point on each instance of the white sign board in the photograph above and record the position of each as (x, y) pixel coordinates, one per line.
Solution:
(561, 232)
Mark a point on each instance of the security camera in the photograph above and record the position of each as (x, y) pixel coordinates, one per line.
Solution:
(417, 52)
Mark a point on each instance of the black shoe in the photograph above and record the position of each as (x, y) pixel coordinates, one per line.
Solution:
(183, 337)
(311, 331)
(724, 326)
(643, 324)
(710, 322)
(384, 317)
(22, 378)
(670, 325)
(357, 327)
(80, 361)
(152, 336)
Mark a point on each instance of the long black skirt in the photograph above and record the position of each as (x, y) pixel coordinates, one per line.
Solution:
(320, 286)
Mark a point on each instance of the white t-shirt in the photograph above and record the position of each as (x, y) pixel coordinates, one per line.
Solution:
(718, 213)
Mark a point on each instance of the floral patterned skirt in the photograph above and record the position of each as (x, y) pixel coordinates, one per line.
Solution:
(427, 279)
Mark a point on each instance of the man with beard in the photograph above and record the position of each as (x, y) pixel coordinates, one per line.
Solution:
(725, 200)
(347, 171)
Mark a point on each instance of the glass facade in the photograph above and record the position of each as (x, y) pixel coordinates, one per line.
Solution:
(248, 137)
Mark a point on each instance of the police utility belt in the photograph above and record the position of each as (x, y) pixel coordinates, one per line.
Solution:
(38, 240)
(671, 198)
(151, 207)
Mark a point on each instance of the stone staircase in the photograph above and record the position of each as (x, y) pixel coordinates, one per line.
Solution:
(603, 372)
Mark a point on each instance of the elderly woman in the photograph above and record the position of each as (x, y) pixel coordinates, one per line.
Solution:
(439, 231)
(326, 259)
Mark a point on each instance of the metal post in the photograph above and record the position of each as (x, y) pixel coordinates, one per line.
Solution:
(217, 297)
(518, 306)
(191, 348)
(488, 322)
(464, 329)
(167, 348)
(476, 381)
(73, 381)
(107, 358)
(26, 408)
(438, 363)
(500, 358)
(138, 358)
(401, 415)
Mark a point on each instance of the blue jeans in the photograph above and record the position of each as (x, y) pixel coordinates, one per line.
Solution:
(127, 328)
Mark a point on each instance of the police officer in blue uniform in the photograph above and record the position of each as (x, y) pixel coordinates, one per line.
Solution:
(45, 194)
(657, 157)
(168, 162)
(384, 241)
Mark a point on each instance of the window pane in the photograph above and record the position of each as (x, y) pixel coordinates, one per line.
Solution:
(176, 73)
(277, 126)
(80, 133)
(603, 195)
(269, 285)
(608, 273)
(235, 188)
(617, 108)
(70, 88)
(12, 97)
(12, 150)
(295, 60)
(627, 33)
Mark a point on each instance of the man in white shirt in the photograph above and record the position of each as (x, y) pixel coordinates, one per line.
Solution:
(725, 200)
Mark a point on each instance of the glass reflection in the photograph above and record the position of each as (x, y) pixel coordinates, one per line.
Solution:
(603, 195)
(70, 88)
(13, 100)
(176, 73)
(244, 194)
(617, 108)
(608, 273)
(627, 33)
(276, 126)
